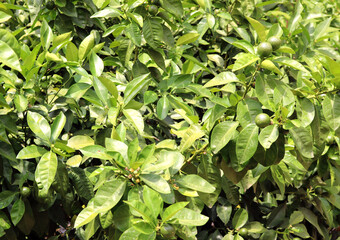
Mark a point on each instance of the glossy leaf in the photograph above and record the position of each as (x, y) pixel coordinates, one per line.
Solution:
(31, 151)
(268, 136)
(156, 182)
(17, 211)
(331, 111)
(46, 171)
(57, 126)
(39, 125)
(197, 183)
(246, 145)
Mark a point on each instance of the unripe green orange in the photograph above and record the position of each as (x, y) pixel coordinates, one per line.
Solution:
(264, 49)
(275, 42)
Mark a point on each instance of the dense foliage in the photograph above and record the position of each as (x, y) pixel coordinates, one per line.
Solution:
(168, 119)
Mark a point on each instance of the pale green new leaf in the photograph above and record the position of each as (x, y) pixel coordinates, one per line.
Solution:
(46, 35)
(243, 60)
(135, 118)
(259, 28)
(9, 57)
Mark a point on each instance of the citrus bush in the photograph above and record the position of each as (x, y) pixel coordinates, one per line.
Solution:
(169, 119)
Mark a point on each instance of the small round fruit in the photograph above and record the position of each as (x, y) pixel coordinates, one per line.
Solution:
(330, 140)
(50, 5)
(18, 83)
(264, 49)
(168, 231)
(25, 192)
(153, 9)
(243, 232)
(275, 42)
(262, 120)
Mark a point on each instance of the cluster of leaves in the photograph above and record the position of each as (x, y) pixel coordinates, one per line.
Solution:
(141, 119)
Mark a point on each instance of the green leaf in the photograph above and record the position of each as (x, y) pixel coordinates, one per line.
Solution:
(196, 183)
(291, 63)
(80, 141)
(278, 177)
(153, 201)
(222, 78)
(305, 111)
(96, 65)
(245, 45)
(166, 160)
(269, 234)
(135, 86)
(259, 28)
(189, 217)
(187, 38)
(17, 211)
(240, 218)
(277, 216)
(243, 60)
(39, 125)
(7, 37)
(86, 215)
(135, 118)
(106, 219)
(312, 218)
(157, 58)
(296, 217)
(108, 195)
(46, 171)
(95, 151)
(46, 35)
(9, 57)
(81, 183)
(101, 90)
(246, 145)
(170, 211)
(224, 212)
(57, 126)
(6, 197)
(85, 46)
(143, 210)
(300, 230)
(173, 6)
(163, 107)
(268, 136)
(133, 32)
(110, 86)
(221, 135)
(20, 102)
(153, 32)
(31, 151)
(331, 110)
(267, 64)
(156, 182)
(303, 141)
(107, 12)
